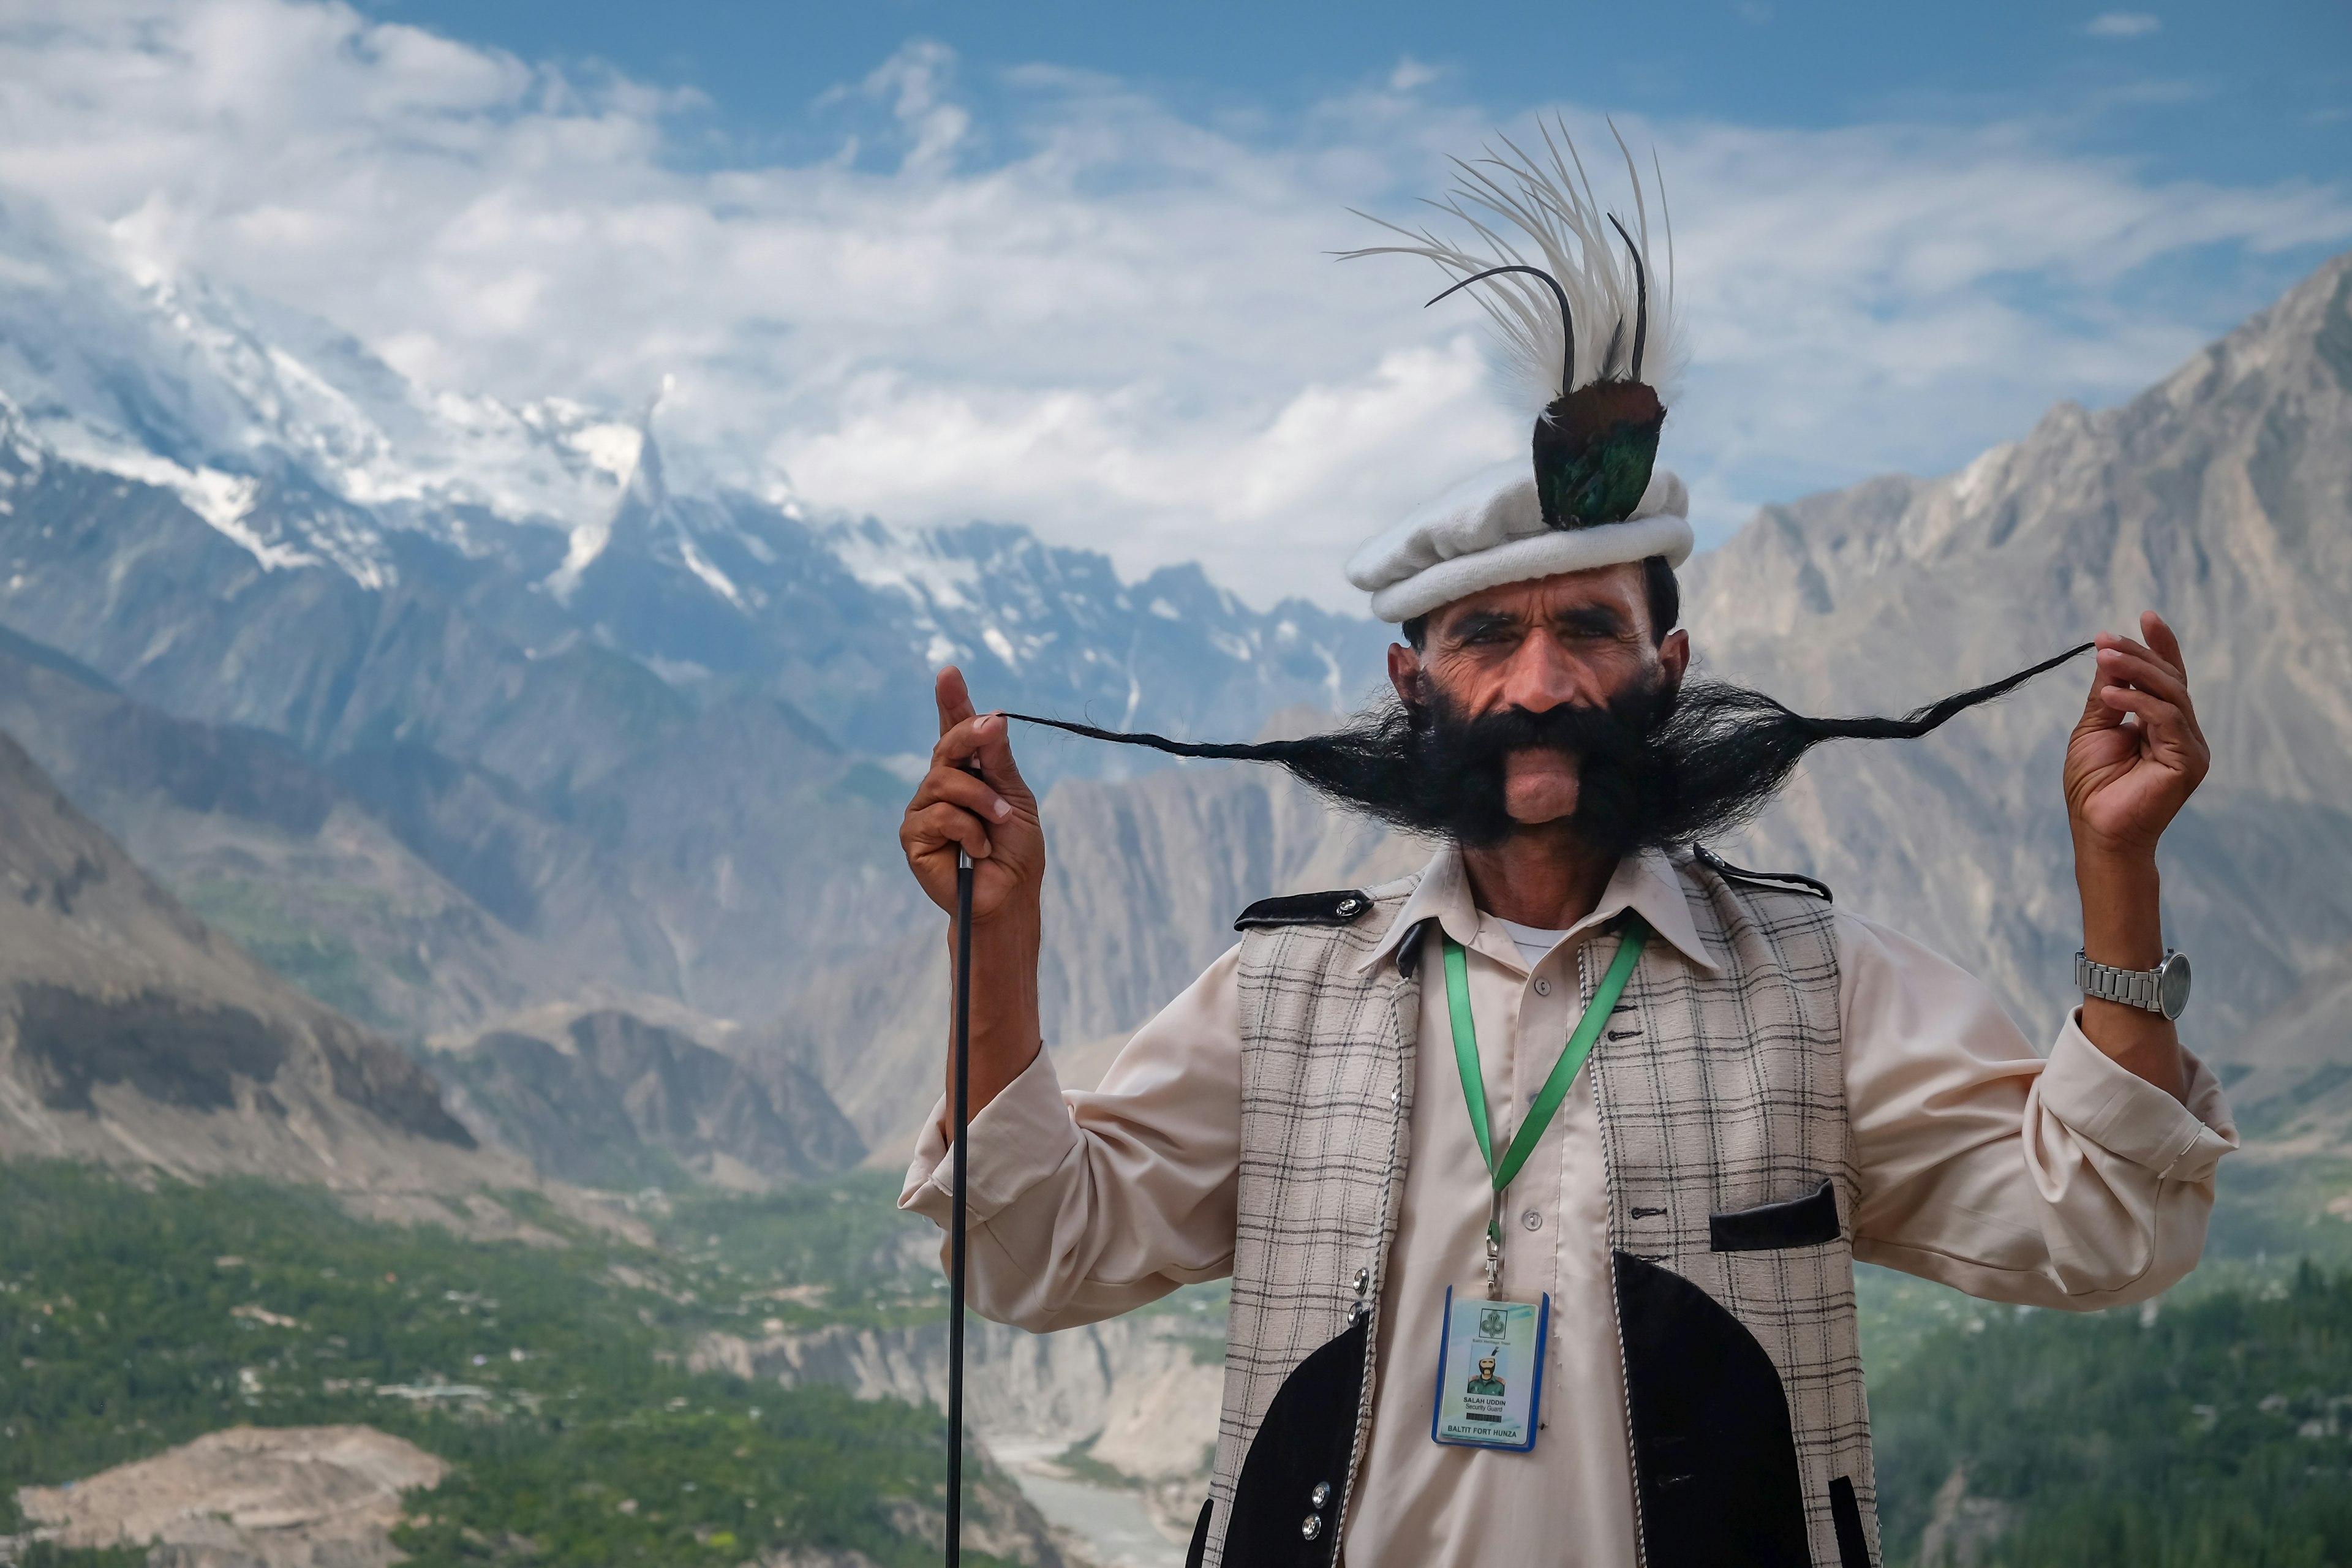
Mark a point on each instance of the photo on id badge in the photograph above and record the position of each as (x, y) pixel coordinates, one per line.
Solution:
(1490, 1373)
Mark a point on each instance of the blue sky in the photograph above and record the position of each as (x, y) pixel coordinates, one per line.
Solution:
(2216, 91)
(1071, 265)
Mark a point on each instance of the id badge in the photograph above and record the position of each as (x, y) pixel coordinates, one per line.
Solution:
(1490, 1367)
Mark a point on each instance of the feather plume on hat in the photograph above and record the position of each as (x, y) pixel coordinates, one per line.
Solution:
(1588, 332)
(1554, 214)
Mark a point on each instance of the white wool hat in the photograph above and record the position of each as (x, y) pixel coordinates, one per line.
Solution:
(1490, 531)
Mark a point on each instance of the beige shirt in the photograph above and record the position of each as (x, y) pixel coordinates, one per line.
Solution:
(2058, 1182)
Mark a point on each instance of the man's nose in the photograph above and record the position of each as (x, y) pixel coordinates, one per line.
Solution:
(1542, 676)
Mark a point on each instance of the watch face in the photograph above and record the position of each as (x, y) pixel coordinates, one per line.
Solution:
(2172, 986)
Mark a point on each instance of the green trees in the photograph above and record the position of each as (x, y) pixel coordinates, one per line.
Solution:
(552, 1378)
(2216, 1434)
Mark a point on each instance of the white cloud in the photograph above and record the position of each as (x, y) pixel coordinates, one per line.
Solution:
(1411, 73)
(1085, 312)
(2122, 25)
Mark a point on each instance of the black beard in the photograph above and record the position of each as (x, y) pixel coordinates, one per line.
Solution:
(1656, 766)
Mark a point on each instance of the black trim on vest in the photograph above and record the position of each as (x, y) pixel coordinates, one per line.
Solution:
(1714, 1453)
(1342, 907)
(1786, 881)
(1304, 1443)
(1845, 1517)
(1199, 1549)
(1808, 1221)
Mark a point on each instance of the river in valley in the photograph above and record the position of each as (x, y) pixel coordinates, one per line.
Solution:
(1109, 1521)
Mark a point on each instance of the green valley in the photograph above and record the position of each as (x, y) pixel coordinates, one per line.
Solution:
(551, 1377)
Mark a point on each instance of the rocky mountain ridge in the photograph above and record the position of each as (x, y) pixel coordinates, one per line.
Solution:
(2220, 498)
(606, 1098)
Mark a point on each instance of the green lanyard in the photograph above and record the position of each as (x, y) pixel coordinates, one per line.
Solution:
(1555, 1088)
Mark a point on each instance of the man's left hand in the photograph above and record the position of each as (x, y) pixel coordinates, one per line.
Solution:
(2126, 780)
(2132, 762)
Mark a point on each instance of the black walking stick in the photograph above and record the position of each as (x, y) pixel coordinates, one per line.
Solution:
(956, 1230)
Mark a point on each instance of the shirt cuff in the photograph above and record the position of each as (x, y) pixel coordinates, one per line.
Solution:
(2125, 1114)
(1017, 1140)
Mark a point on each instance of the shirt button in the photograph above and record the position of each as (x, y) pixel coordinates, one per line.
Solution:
(1532, 1220)
(1543, 988)
(1310, 1527)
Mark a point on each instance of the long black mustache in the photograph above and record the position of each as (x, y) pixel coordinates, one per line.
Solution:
(1656, 766)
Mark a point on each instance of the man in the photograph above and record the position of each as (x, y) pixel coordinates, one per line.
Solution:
(1365, 1113)
(1485, 1382)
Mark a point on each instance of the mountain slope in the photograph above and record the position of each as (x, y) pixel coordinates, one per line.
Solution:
(286, 859)
(275, 852)
(131, 1034)
(2223, 499)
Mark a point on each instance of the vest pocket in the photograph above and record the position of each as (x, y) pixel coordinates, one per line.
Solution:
(1285, 1507)
(1714, 1453)
(1808, 1221)
(1845, 1516)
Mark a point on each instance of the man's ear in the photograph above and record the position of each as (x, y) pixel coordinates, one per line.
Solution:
(1404, 674)
(1673, 654)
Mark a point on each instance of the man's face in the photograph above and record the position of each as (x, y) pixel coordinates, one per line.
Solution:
(1577, 639)
(1486, 1366)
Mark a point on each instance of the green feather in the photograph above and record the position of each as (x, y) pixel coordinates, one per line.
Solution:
(1604, 482)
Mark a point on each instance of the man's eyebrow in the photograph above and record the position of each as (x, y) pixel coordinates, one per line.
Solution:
(1478, 621)
(1592, 620)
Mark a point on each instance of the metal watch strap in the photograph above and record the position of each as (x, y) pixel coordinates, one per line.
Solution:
(2132, 987)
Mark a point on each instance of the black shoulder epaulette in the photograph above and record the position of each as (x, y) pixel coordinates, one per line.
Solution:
(1338, 908)
(1787, 881)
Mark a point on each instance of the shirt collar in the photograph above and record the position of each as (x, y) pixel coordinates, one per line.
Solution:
(1647, 883)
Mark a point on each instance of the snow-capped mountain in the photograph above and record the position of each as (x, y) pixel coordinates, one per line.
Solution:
(175, 382)
(660, 726)
(731, 585)
(294, 442)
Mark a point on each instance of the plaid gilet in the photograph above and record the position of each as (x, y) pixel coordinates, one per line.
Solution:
(1721, 1093)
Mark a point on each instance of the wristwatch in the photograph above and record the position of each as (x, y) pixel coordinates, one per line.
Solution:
(2164, 989)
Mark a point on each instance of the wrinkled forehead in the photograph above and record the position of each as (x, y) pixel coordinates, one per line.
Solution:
(1615, 590)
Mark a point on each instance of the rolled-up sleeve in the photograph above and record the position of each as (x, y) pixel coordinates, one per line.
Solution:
(1083, 1205)
(2064, 1181)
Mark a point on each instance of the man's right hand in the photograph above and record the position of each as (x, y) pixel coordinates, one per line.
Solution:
(992, 816)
